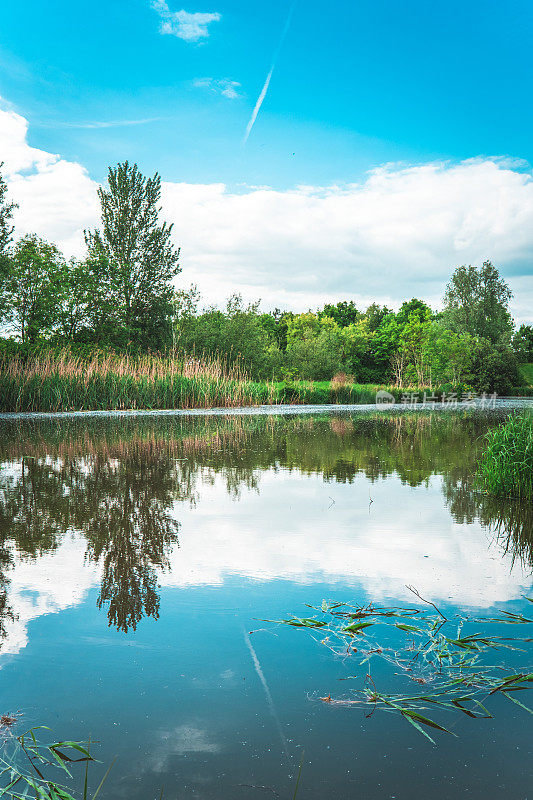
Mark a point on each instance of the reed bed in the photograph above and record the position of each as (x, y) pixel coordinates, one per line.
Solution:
(62, 381)
(506, 465)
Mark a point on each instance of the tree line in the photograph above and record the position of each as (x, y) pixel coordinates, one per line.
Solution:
(122, 295)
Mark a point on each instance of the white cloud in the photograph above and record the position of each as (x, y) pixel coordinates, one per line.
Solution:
(397, 234)
(224, 86)
(114, 123)
(57, 198)
(184, 25)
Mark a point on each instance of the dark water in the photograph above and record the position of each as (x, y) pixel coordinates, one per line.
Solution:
(138, 553)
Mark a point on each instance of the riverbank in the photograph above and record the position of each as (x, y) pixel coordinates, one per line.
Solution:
(62, 382)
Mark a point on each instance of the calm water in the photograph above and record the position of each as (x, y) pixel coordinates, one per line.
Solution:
(137, 553)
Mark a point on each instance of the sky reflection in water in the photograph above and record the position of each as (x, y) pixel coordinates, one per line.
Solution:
(137, 553)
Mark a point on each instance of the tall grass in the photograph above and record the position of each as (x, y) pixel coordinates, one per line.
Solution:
(506, 465)
(62, 381)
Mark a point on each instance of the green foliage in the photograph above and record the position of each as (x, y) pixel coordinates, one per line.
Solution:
(476, 302)
(60, 381)
(523, 344)
(344, 313)
(506, 465)
(238, 335)
(26, 764)
(6, 214)
(494, 367)
(34, 287)
(526, 371)
(6, 233)
(135, 257)
(314, 347)
(121, 297)
(413, 309)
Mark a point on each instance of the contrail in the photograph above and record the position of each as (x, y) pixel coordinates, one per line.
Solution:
(264, 684)
(266, 84)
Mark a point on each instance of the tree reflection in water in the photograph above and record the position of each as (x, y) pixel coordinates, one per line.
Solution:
(117, 482)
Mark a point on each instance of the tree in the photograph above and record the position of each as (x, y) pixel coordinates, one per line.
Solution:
(6, 213)
(523, 344)
(356, 338)
(375, 314)
(451, 353)
(476, 302)
(77, 296)
(494, 366)
(34, 287)
(6, 233)
(314, 347)
(344, 313)
(141, 261)
(409, 307)
(415, 344)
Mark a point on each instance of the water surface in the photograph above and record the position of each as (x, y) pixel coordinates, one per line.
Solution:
(137, 554)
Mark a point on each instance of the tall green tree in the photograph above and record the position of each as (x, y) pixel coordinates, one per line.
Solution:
(34, 287)
(140, 259)
(476, 301)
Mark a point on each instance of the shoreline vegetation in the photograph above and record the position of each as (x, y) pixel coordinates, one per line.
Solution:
(114, 329)
(60, 380)
(506, 464)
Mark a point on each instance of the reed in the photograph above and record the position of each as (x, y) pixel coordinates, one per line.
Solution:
(63, 381)
(506, 465)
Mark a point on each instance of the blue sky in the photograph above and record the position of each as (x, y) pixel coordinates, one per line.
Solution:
(356, 85)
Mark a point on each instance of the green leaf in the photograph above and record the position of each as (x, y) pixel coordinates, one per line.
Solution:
(518, 703)
(426, 721)
(356, 626)
(403, 627)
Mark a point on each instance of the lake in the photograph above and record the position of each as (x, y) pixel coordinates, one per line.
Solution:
(144, 562)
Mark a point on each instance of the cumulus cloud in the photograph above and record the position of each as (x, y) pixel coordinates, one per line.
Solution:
(398, 233)
(57, 198)
(224, 86)
(184, 25)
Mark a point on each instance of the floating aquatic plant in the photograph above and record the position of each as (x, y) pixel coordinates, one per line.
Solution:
(433, 651)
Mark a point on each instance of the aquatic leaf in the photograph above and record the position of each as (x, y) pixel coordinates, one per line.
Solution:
(298, 622)
(403, 627)
(426, 721)
(418, 727)
(518, 703)
(356, 626)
